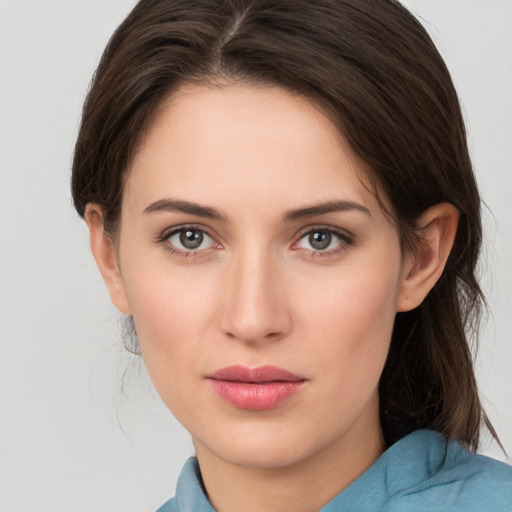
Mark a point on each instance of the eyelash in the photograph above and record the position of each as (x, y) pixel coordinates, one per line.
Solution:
(184, 253)
(345, 241)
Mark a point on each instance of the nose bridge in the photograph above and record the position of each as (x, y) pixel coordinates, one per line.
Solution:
(255, 309)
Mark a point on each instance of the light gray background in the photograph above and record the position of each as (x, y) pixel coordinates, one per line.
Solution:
(72, 437)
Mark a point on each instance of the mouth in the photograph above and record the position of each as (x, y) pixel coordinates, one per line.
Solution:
(261, 388)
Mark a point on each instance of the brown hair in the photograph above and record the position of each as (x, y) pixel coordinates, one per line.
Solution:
(372, 66)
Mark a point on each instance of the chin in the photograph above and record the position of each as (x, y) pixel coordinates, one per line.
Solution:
(262, 458)
(273, 451)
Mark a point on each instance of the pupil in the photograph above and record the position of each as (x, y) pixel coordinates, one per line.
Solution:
(320, 240)
(191, 239)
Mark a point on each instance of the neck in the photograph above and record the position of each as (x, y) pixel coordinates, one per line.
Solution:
(303, 486)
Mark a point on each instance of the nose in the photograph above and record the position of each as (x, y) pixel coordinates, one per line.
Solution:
(255, 309)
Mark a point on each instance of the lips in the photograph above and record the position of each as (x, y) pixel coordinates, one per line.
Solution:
(261, 388)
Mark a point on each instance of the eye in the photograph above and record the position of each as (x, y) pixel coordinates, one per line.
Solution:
(323, 240)
(189, 239)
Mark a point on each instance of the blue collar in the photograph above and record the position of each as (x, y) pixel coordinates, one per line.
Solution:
(421, 471)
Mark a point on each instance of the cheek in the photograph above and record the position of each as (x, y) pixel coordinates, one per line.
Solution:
(168, 311)
(165, 324)
(351, 323)
(173, 310)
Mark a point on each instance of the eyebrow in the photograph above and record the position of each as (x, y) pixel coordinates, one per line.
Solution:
(176, 205)
(324, 208)
(180, 206)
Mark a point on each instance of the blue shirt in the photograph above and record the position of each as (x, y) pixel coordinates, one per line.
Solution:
(420, 473)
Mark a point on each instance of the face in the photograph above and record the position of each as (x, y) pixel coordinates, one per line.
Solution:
(262, 276)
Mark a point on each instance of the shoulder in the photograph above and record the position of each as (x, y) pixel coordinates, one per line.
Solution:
(444, 475)
(169, 506)
(477, 480)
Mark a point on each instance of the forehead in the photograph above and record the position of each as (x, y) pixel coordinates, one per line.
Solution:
(246, 143)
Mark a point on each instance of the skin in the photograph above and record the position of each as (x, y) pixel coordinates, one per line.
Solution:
(258, 291)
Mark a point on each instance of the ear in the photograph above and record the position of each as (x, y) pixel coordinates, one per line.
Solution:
(104, 253)
(424, 266)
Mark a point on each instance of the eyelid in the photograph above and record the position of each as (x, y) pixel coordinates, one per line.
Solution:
(344, 233)
(346, 238)
(171, 231)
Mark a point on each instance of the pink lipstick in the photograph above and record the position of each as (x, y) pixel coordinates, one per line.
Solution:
(264, 387)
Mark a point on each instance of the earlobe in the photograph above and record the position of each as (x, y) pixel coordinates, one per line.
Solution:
(424, 266)
(104, 253)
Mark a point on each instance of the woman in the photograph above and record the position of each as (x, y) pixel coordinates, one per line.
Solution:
(281, 197)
